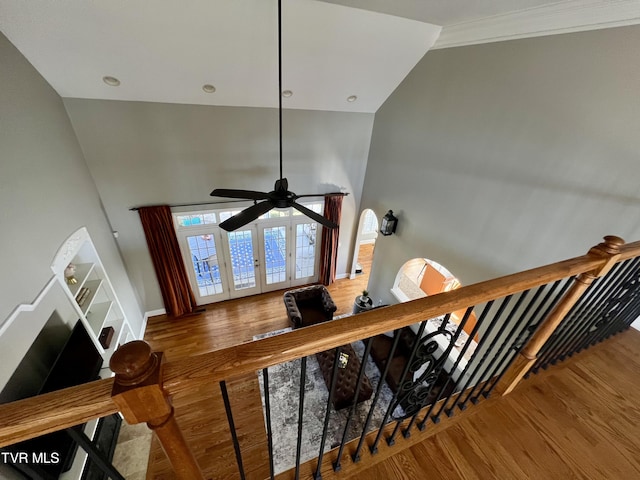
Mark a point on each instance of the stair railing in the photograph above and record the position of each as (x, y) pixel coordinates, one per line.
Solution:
(527, 320)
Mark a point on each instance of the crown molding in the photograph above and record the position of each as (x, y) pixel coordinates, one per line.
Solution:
(563, 17)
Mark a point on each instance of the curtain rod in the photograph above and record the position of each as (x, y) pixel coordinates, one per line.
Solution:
(134, 209)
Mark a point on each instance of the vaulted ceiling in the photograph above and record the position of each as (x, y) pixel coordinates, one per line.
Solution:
(165, 50)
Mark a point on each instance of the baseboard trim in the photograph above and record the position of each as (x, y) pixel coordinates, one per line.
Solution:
(342, 276)
(151, 313)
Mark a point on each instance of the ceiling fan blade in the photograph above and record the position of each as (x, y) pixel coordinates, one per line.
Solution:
(244, 194)
(331, 194)
(314, 216)
(245, 216)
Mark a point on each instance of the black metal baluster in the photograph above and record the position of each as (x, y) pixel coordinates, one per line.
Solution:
(574, 319)
(94, 454)
(406, 433)
(551, 304)
(624, 307)
(619, 280)
(624, 293)
(436, 418)
(303, 372)
(478, 366)
(445, 356)
(585, 316)
(454, 368)
(543, 303)
(334, 377)
(632, 317)
(622, 322)
(533, 323)
(383, 376)
(524, 329)
(497, 360)
(232, 427)
(365, 357)
(582, 336)
(394, 400)
(267, 406)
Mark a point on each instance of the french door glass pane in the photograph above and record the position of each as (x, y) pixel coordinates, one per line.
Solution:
(275, 254)
(204, 259)
(242, 258)
(305, 249)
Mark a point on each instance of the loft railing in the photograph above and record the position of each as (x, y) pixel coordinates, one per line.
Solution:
(526, 321)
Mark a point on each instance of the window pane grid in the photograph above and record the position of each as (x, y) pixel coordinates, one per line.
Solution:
(275, 251)
(196, 219)
(241, 249)
(370, 223)
(204, 260)
(316, 207)
(305, 249)
(275, 213)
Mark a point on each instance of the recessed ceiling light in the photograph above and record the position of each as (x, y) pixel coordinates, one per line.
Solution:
(208, 88)
(111, 81)
(352, 98)
(287, 93)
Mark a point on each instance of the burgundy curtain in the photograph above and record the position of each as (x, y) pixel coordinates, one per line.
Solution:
(329, 246)
(157, 223)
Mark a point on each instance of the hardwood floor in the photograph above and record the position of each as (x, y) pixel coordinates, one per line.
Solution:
(201, 413)
(577, 420)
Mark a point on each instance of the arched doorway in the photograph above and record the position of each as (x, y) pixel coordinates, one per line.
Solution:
(364, 244)
(421, 277)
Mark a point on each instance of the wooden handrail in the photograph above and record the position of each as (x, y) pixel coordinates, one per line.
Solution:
(249, 357)
(54, 411)
(629, 250)
(43, 414)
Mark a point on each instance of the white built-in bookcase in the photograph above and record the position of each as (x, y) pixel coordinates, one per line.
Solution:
(101, 307)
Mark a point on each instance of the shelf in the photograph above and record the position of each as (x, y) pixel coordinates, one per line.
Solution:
(93, 286)
(97, 316)
(82, 273)
(100, 307)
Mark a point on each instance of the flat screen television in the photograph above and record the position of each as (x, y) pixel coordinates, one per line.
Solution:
(77, 362)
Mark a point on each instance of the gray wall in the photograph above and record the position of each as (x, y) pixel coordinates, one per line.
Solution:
(149, 153)
(46, 191)
(506, 156)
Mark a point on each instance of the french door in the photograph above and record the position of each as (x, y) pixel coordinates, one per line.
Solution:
(275, 256)
(242, 262)
(306, 248)
(205, 264)
(275, 252)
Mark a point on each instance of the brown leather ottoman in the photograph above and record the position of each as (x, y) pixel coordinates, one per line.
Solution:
(347, 378)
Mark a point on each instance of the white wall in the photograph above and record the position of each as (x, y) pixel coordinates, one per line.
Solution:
(46, 192)
(506, 156)
(149, 153)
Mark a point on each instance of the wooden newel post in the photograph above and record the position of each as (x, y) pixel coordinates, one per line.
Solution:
(137, 391)
(609, 251)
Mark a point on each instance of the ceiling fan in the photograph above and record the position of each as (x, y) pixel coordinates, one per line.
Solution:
(280, 196)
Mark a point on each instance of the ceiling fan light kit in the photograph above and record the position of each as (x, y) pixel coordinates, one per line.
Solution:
(280, 196)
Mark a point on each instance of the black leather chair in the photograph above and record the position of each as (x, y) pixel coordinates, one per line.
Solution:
(309, 305)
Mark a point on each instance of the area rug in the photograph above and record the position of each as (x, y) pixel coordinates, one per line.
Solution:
(284, 388)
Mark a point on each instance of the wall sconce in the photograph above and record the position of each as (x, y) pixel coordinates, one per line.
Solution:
(389, 224)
